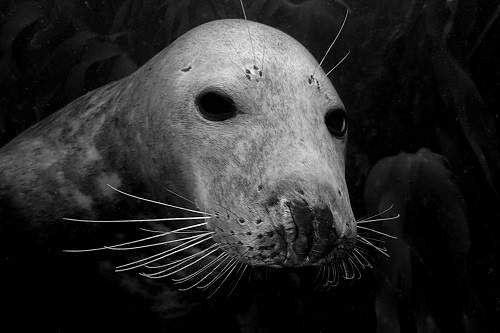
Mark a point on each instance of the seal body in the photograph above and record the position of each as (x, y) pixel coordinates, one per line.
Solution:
(234, 116)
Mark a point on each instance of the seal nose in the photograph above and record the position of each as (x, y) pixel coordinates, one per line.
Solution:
(311, 234)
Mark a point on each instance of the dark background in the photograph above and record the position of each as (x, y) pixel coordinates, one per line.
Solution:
(421, 73)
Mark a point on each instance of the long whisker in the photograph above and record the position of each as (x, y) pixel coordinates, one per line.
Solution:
(381, 250)
(226, 267)
(220, 257)
(179, 196)
(347, 271)
(325, 278)
(174, 231)
(170, 271)
(175, 263)
(337, 65)
(139, 240)
(337, 271)
(369, 216)
(141, 220)
(318, 274)
(250, 274)
(334, 280)
(227, 276)
(248, 28)
(214, 203)
(363, 242)
(371, 238)
(354, 268)
(379, 220)
(320, 277)
(157, 244)
(353, 263)
(341, 269)
(362, 252)
(365, 263)
(331, 45)
(164, 254)
(377, 232)
(239, 275)
(158, 202)
(229, 269)
(236, 64)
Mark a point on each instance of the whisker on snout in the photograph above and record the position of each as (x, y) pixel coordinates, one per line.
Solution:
(382, 250)
(160, 243)
(165, 254)
(366, 240)
(210, 266)
(377, 232)
(175, 231)
(159, 234)
(219, 260)
(201, 270)
(358, 255)
(329, 276)
(140, 220)
(350, 266)
(370, 217)
(158, 202)
(176, 266)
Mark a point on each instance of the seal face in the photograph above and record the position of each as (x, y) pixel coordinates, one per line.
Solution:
(234, 115)
(275, 158)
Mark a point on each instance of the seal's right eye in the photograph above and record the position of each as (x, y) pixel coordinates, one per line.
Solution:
(336, 122)
(215, 106)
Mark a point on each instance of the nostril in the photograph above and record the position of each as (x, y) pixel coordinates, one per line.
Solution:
(314, 225)
(285, 202)
(280, 230)
(303, 217)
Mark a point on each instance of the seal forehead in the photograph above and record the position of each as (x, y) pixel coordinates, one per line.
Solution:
(221, 53)
(247, 34)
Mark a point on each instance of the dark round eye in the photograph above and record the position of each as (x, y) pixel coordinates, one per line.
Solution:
(215, 106)
(336, 122)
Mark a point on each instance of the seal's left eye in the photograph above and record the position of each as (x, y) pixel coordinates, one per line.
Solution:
(215, 106)
(336, 122)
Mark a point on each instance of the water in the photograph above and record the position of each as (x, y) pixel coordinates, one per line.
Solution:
(420, 75)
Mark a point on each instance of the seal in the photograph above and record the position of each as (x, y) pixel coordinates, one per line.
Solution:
(235, 121)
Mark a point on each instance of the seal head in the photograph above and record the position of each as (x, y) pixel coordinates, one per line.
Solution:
(234, 115)
(262, 143)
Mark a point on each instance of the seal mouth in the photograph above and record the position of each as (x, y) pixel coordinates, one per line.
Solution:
(313, 236)
(295, 234)
(331, 254)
